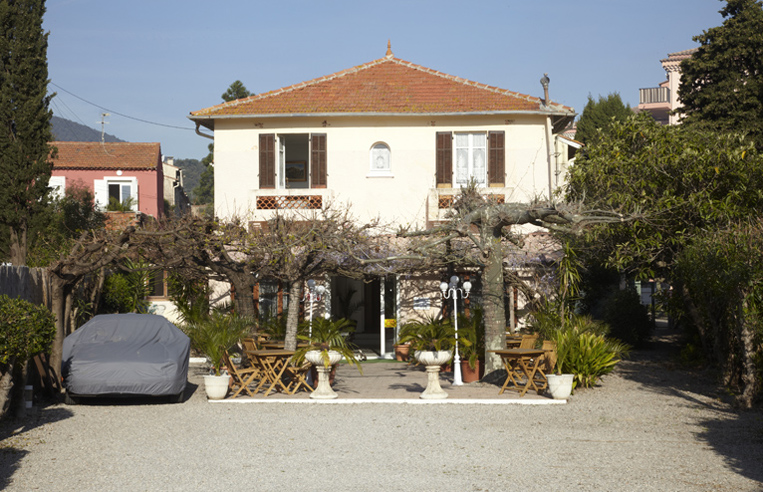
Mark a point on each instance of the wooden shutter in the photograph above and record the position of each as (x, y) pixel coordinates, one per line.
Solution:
(267, 160)
(444, 160)
(318, 161)
(496, 156)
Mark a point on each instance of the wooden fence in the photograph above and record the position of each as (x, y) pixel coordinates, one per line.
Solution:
(31, 284)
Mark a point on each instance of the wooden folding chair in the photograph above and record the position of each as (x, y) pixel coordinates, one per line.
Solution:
(528, 341)
(297, 376)
(549, 357)
(241, 377)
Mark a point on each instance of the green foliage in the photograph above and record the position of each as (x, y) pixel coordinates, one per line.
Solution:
(25, 118)
(471, 335)
(217, 333)
(329, 335)
(587, 355)
(192, 169)
(26, 329)
(190, 297)
(722, 83)
(127, 292)
(125, 205)
(204, 193)
(433, 333)
(627, 318)
(599, 115)
(237, 90)
(679, 181)
(275, 327)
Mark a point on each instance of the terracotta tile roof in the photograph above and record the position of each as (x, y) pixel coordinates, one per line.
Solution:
(680, 55)
(385, 86)
(97, 155)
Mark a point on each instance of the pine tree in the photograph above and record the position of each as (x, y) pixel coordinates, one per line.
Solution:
(599, 115)
(25, 128)
(722, 83)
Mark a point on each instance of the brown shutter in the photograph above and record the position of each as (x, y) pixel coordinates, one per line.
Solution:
(267, 160)
(496, 168)
(444, 159)
(318, 161)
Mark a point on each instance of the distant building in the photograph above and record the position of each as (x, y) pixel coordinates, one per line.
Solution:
(661, 101)
(174, 193)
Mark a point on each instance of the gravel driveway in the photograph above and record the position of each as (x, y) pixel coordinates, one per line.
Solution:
(648, 426)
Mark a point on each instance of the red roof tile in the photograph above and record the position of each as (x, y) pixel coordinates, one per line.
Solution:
(97, 155)
(387, 86)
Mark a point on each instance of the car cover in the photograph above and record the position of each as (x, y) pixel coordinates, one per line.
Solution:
(126, 354)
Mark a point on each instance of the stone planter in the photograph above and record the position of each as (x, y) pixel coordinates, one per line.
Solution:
(323, 389)
(433, 360)
(560, 385)
(216, 387)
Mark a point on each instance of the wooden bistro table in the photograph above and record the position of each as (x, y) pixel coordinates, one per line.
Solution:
(521, 363)
(272, 365)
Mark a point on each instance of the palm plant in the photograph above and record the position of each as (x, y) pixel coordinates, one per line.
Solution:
(471, 335)
(216, 333)
(328, 335)
(434, 333)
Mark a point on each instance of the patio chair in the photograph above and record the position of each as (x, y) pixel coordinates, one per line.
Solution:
(528, 341)
(240, 377)
(549, 358)
(297, 376)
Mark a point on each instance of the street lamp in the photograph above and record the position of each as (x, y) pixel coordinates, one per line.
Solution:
(451, 291)
(313, 294)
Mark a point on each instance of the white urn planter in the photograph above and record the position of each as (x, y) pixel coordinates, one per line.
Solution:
(560, 385)
(433, 359)
(216, 386)
(323, 390)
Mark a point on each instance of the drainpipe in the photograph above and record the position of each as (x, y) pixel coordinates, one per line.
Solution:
(549, 148)
(202, 134)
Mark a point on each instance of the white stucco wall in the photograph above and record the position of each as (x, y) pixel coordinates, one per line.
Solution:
(399, 199)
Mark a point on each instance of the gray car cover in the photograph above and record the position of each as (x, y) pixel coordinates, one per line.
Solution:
(126, 354)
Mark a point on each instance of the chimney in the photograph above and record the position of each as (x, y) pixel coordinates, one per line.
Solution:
(544, 82)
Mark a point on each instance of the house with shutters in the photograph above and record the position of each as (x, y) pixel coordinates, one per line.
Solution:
(392, 139)
(128, 172)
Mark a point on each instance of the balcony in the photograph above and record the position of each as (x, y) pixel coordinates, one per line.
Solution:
(654, 95)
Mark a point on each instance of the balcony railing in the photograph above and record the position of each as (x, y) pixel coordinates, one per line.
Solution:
(290, 202)
(653, 95)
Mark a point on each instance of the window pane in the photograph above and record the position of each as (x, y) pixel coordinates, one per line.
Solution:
(114, 192)
(125, 193)
(380, 158)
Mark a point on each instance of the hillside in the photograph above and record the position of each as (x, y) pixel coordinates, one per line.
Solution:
(68, 131)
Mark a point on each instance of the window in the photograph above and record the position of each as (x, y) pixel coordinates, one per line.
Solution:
(58, 185)
(289, 161)
(477, 155)
(380, 160)
(121, 189)
(471, 155)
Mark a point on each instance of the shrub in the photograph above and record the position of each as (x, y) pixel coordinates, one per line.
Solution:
(586, 354)
(26, 329)
(627, 318)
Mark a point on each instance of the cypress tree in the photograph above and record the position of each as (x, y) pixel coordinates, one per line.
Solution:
(25, 129)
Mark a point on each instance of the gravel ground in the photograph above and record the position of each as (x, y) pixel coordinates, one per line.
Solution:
(648, 426)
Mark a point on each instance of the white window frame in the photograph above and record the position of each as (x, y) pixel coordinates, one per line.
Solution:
(101, 188)
(378, 150)
(57, 184)
(472, 153)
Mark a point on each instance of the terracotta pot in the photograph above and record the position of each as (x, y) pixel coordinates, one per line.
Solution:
(469, 375)
(402, 352)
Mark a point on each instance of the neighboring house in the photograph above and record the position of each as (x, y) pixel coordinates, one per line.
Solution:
(393, 139)
(661, 101)
(174, 193)
(112, 170)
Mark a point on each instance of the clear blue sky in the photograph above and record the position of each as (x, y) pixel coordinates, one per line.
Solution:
(157, 60)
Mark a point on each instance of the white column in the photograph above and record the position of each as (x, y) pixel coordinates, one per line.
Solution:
(383, 330)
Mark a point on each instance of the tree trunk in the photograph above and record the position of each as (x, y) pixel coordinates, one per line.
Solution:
(6, 384)
(244, 301)
(58, 307)
(18, 245)
(494, 311)
(746, 335)
(292, 318)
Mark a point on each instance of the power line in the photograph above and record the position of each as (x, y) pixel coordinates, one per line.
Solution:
(118, 113)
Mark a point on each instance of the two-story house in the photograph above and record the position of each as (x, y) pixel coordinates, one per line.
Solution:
(663, 100)
(392, 139)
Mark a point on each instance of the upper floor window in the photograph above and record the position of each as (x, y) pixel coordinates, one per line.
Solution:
(471, 155)
(380, 160)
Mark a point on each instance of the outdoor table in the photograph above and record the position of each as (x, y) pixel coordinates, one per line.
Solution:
(273, 364)
(522, 362)
(278, 344)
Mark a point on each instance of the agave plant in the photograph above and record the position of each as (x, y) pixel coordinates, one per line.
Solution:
(329, 335)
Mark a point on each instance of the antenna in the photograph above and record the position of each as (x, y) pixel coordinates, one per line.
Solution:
(103, 124)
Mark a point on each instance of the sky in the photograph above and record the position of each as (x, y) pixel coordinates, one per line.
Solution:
(149, 63)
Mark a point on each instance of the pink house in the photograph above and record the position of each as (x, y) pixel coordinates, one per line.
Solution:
(121, 170)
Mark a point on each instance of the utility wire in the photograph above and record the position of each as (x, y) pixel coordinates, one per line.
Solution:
(118, 113)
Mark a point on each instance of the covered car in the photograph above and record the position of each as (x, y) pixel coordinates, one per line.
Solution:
(125, 355)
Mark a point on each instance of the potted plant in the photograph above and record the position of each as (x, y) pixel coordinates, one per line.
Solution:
(212, 336)
(326, 345)
(471, 344)
(432, 341)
